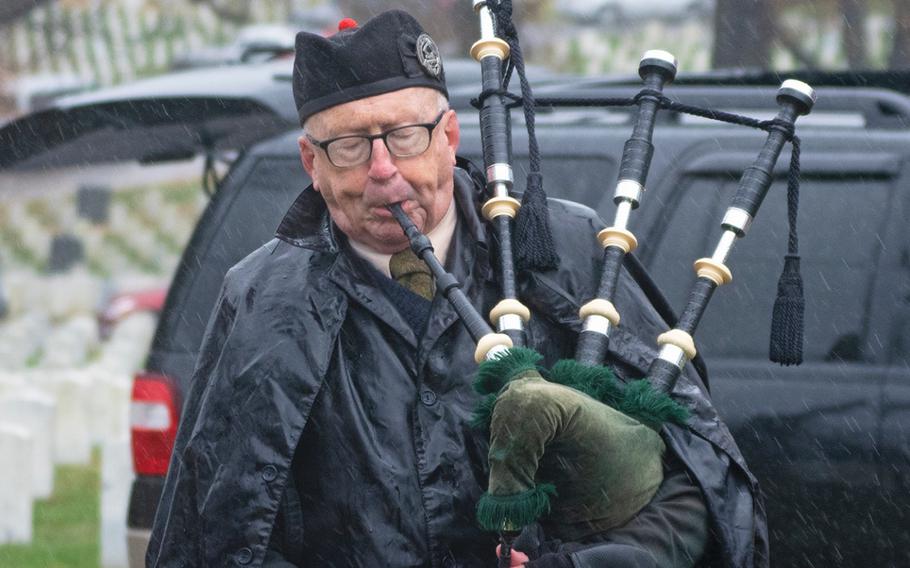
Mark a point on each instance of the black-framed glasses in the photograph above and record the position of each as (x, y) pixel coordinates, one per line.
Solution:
(402, 142)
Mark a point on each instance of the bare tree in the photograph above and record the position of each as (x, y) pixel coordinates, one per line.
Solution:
(233, 11)
(450, 23)
(12, 10)
(900, 51)
(854, 32)
(791, 42)
(743, 31)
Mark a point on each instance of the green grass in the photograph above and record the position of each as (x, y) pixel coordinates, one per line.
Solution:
(136, 257)
(66, 526)
(35, 358)
(18, 250)
(174, 192)
(96, 265)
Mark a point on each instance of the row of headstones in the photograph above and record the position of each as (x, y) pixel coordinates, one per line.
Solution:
(91, 400)
(75, 235)
(61, 297)
(32, 342)
(56, 418)
(56, 297)
(51, 417)
(18, 508)
(95, 204)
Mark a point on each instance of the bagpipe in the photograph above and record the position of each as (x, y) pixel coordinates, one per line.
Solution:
(572, 447)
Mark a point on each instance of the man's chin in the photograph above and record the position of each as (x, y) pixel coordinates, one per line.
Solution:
(387, 241)
(391, 247)
(388, 237)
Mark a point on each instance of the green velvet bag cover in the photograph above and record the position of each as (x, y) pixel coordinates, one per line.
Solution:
(560, 456)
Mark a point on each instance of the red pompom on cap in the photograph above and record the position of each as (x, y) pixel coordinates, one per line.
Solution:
(347, 23)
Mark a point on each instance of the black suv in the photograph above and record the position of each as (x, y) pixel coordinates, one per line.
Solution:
(829, 440)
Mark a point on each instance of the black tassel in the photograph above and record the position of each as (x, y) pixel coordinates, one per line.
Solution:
(786, 346)
(534, 249)
(533, 242)
(787, 321)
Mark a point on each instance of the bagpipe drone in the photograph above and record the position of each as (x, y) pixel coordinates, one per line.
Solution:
(580, 451)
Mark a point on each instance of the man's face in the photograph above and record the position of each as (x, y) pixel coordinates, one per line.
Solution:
(356, 196)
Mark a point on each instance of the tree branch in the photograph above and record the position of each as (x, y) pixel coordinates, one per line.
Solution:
(791, 44)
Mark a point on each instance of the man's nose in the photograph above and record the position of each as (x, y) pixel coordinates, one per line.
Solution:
(382, 166)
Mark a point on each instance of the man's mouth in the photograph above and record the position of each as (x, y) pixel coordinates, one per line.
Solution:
(408, 206)
(381, 212)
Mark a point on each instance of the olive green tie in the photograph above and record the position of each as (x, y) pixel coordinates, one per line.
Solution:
(412, 273)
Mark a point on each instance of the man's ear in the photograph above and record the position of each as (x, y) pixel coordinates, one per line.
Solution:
(453, 135)
(308, 158)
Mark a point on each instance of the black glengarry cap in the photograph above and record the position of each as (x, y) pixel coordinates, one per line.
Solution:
(388, 53)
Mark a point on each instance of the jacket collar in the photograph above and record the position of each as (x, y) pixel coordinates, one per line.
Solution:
(307, 223)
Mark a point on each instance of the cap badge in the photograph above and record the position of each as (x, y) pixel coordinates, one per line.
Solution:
(428, 55)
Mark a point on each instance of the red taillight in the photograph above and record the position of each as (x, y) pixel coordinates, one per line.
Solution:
(153, 423)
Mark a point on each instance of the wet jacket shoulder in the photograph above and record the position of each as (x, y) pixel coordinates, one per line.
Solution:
(275, 318)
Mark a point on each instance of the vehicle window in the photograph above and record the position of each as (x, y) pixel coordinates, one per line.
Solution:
(895, 299)
(684, 229)
(839, 247)
(892, 306)
(587, 180)
(247, 218)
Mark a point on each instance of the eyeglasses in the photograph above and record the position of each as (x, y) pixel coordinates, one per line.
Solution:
(402, 142)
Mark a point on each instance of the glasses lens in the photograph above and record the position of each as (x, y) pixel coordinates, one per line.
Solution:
(349, 151)
(408, 141)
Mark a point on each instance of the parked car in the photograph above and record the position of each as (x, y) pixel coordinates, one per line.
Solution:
(252, 44)
(121, 306)
(829, 440)
(177, 116)
(35, 92)
(262, 42)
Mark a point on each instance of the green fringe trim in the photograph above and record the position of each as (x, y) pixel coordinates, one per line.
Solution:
(637, 399)
(513, 512)
(598, 382)
(651, 407)
(494, 374)
(483, 414)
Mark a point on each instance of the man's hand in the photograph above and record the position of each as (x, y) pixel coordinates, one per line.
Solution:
(517, 558)
(532, 550)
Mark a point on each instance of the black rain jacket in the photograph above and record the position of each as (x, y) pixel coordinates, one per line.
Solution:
(275, 338)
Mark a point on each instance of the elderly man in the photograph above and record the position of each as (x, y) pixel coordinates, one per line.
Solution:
(327, 423)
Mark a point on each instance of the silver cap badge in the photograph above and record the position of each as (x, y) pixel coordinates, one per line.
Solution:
(428, 55)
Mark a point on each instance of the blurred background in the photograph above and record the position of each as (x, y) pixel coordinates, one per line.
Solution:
(87, 253)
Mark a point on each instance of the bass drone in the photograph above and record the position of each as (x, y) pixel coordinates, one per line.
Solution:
(595, 471)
